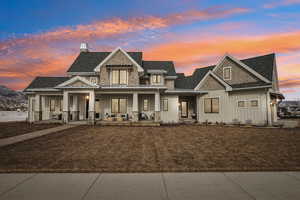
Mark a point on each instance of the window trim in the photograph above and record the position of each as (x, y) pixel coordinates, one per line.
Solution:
(245, 104)
(163, 108)
(251, 103)
(211, 108)
(147, 104)
(118, 109)
(156, 82)
(230, 73)
(118, 77)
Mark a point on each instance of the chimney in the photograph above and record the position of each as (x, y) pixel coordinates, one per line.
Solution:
(84, 47)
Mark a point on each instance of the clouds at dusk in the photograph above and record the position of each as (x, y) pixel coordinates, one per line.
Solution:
(191, 37)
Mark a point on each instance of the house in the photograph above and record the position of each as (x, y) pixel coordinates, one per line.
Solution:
(120, 85)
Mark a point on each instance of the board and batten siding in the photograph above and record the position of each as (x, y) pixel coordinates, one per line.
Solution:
(229, 111)
(170, 116)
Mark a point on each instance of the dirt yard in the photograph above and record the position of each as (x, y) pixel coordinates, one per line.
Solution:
(156, 149)
(10, 129)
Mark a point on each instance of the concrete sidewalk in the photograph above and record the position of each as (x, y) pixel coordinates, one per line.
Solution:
(27, 136)
(152, 186)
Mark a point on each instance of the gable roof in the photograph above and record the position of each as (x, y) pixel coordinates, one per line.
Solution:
(46, 82)
(190, 82)
(119, 49)
(168, 66)
(263, 65)
(67, 83)
(88, 61)
(211, 74)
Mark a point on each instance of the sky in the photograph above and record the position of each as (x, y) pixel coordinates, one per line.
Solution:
(42, 38)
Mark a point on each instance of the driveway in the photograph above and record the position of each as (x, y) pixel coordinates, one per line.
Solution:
(152, 186)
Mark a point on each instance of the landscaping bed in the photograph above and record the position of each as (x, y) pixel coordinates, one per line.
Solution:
(185, 148)
(10, 129)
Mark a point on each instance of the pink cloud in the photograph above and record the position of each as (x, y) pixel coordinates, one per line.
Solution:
(281, 3)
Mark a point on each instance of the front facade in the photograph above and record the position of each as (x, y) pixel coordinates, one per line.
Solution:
(121, 86)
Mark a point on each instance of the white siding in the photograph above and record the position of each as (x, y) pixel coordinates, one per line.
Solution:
(170, 116)
(229, 111)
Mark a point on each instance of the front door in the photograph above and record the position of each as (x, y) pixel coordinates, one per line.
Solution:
(184, 109)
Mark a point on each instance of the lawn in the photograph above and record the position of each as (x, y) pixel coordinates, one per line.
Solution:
(10, 129)
(156, 149)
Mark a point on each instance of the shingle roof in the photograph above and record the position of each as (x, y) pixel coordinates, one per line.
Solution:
(190, 82)
(261, 64)
(46, 82)
(87, 61)
(164, 65)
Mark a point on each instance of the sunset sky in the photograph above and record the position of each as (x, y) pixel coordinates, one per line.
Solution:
(42, 38)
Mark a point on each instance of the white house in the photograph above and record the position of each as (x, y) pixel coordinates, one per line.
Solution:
(120, 85)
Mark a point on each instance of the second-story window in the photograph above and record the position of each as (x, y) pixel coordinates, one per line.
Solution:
(119, 77)
(227, 73)
(156, 79)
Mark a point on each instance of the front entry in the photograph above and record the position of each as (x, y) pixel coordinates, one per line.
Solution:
(87, 102)
(184, 109)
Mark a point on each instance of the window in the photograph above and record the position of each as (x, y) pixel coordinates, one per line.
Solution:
(119, 77)
(164, 104)
(227, 73)
(52, 104)
(94, 80)
(241, 104)
(254, 103)
(156, 79)
(211, 105)
(145, 105)
(119, 105)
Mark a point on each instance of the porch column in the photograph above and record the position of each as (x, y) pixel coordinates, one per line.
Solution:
(135, 107)
(66, 107)
(75, 112)
(157, 107)
(91, 119)
(269, 114)
(198, 107)
(37, 108)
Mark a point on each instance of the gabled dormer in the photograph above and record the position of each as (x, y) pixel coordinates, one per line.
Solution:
(119, 68)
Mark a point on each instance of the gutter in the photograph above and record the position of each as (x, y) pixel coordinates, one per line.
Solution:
(251, 88)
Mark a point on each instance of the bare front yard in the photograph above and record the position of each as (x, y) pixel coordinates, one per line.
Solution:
(156, 149)
(10, 129)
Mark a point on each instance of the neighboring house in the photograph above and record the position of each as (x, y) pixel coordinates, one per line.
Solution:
(121, 85)
(289, 109)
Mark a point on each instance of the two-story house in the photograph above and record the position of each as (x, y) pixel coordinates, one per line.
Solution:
(121, 86)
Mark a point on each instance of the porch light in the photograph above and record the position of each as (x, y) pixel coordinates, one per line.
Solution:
(87, 97)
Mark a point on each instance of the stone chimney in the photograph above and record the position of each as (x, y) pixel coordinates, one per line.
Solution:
(84, 47)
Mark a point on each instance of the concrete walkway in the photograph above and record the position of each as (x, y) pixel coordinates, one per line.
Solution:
(27, 136)
(152, 186)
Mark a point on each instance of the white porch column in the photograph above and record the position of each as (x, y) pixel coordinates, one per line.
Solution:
(198, 107)
(157, 107)
(91, 111)
(37, 108)
(135, 107)
(269, 115)
(66, 107)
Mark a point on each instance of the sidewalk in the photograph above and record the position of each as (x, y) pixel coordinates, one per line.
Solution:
(27, 136)
(152, 186)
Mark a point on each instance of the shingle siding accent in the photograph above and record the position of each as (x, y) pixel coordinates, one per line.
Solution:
(211, 84)
(238, 73)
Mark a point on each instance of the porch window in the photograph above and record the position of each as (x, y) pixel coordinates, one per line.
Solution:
(164, 104)
(156, 79)
(119, 105)
(52, 104)
(145, 105)
(211, 105)
(119, 77)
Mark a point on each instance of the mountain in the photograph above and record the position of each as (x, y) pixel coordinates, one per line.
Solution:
(12, 100)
